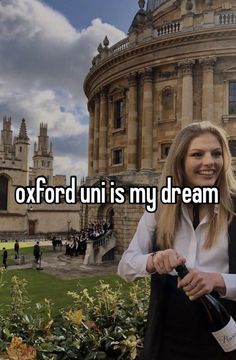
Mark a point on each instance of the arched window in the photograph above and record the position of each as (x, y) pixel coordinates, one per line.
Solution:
(3, 192)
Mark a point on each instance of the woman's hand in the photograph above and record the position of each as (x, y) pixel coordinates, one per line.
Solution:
(198, 283)
(164, 261)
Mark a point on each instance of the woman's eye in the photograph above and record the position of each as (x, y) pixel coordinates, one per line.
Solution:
(196, 154)
(217, 154)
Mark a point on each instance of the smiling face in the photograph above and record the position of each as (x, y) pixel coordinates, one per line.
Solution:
(203, 161)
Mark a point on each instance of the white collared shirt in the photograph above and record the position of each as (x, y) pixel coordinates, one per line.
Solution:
(188, 243)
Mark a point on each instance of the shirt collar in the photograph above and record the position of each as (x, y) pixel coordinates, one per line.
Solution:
(185, 214)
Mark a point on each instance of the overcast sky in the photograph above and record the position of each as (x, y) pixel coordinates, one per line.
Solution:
(46, 49)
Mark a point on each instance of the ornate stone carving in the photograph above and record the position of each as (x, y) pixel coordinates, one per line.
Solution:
(147, 74)
(94, 61)
(167, 74)
(141, 4)
(100, 48)
(132, 79)
(189, 5)
(91, 106)
(104, 93)
(106, 42)
(177, 3)
(140, 19)
(186, 66)
(208, 63)
(97, 98)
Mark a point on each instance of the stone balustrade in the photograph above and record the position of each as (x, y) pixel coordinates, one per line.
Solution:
(163, 30)
(120, 46)
(226, 18)
(96, 249)
(169, 28)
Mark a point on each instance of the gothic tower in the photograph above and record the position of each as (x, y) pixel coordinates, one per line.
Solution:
(43, 156)
(6, 135)
(21, 144)
(13, 173)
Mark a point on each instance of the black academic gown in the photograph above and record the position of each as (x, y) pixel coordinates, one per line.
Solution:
(173, 316)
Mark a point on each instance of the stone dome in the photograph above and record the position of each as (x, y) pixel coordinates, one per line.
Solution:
(153, 4)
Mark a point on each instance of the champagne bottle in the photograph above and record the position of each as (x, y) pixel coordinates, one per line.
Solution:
(221, 324)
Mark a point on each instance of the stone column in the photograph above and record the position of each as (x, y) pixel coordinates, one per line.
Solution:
(103, 132)
(110, 125)
(96, 134)
(187, 90)
(132, 123)
(91, 139)
(147, 120)
(208, 64)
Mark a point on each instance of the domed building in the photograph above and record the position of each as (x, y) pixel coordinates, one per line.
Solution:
(177, 65)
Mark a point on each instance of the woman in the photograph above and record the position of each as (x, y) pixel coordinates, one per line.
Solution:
(196, 236)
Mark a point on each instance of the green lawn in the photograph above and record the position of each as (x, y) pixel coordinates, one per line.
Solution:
(25, 247)
(42, 285)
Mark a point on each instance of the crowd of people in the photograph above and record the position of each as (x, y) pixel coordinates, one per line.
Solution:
(76, 243)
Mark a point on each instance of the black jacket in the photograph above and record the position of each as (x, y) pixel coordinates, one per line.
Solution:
(157, 302)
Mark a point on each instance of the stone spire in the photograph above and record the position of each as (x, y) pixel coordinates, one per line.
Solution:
(106, 41)
(21, 146)
(99, 48)
(23, 132)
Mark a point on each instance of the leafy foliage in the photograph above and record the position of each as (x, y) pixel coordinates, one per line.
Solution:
(101, 326)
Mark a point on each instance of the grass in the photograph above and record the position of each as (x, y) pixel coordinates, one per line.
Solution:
(26, 248)
(42, 285)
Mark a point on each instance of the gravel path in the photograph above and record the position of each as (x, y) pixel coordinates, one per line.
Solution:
(59, 265)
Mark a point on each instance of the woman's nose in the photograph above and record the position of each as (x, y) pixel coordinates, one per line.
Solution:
(208, 159)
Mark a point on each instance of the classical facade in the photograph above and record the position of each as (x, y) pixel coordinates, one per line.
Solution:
(177, 65)
(22, 219)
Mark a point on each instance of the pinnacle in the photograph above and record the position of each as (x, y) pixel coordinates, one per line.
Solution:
(23, 132)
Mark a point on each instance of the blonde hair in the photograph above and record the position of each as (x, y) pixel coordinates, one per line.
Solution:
(168, 215)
